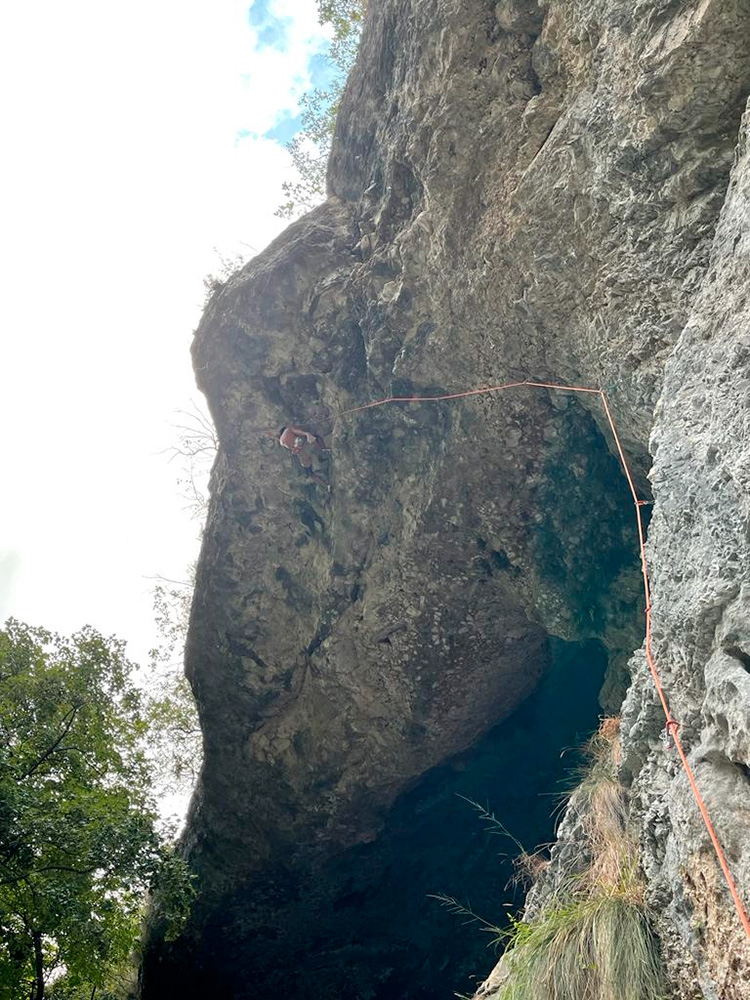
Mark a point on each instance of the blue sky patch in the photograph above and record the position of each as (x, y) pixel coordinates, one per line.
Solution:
(273, 36)
(244, 133)
(272, 31)
(259, 12)
(322, 71)
(285, 128)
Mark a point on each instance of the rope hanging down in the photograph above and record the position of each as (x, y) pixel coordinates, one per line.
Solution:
(672, 726)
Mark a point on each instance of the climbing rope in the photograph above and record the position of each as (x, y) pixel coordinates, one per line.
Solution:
(672, 725)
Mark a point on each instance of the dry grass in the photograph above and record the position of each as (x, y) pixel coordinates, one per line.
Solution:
(593, 941)
(602, 803)
(528, 868)
(597, 948)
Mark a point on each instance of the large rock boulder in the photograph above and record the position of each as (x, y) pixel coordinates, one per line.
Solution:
(516, 191)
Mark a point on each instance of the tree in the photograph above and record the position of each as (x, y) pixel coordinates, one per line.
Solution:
(312, 144)
(176, 740)
(79, 848)
(345, 17)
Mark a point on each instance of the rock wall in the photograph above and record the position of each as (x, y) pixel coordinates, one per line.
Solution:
(516, 190)
(699, 544)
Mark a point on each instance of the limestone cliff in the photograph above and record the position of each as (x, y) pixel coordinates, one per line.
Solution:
(516, 190)
(700, 548)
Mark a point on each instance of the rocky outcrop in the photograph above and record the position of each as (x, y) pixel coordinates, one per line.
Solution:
(700, 548)
(698, 551)
(515, 191)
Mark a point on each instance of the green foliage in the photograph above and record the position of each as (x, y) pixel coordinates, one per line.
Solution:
(345, 17)
(78, 844)
(594, 948)
(464, 910)
(527, 865)
(592, 939)
(227, 264)
(312, 144)
(309, 150)
(176, 733)
(176, 741)
(494, 823)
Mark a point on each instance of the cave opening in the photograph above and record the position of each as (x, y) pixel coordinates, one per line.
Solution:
(366, 926)
(436, 843)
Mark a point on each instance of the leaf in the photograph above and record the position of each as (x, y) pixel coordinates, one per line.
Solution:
(79, 847)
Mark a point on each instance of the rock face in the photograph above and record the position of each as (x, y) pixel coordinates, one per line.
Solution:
(516, 191)
(700, 545)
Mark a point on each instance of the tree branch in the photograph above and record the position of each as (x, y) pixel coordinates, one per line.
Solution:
(69, 719)
(27, 876)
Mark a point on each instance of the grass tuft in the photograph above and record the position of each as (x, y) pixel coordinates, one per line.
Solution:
(598, 948)
(593, 940)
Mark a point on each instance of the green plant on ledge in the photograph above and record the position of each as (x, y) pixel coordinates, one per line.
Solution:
(592, 940)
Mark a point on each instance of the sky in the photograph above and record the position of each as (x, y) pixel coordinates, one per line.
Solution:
(143, 145)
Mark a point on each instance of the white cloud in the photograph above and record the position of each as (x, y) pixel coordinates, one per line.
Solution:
(124, 174)
(283, 76)
(10, 564)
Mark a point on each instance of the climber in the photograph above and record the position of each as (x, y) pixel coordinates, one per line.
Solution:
(296, 439)
(299, 441)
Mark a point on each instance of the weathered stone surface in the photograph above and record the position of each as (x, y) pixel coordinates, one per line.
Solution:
(698, 552)
(516, 190)
(700, 549)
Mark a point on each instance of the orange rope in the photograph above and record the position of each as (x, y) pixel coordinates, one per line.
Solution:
(672, 725)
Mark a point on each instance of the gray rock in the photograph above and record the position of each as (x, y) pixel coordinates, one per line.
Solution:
(515, 191)
(699, 551)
